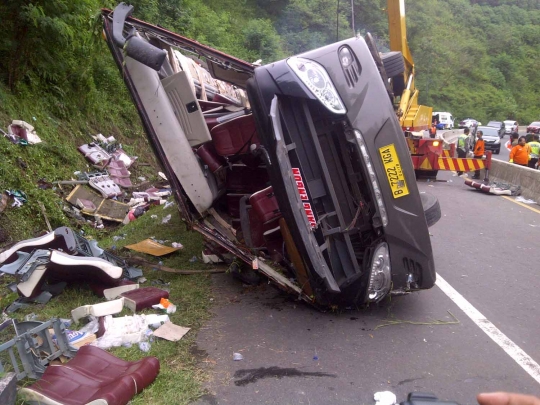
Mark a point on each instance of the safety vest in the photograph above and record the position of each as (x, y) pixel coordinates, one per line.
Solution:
(479, 147)
(534, 149)
(462, 142)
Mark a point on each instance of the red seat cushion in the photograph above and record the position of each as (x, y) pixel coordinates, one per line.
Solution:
(234, 137)
(246, 180)
(69, 387)
(95, 374)
(97, 362)
(265, 204)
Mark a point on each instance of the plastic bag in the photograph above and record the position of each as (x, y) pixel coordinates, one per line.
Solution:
(123, 331)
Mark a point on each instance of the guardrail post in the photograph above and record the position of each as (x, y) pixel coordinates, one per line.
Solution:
(488, 166)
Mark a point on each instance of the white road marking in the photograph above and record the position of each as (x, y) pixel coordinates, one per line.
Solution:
(514, 351)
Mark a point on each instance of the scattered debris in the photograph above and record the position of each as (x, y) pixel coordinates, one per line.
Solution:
(95, 154)
(97, 310)
(19, 197)
(237, 357)
(166, 219)
(42, 207)
(142, 298)
(143, 262)
(385, 398)
(88, 381)
(104, 184)
(171, 332)
(144, 347)
(43, 184)
(122, 331)
(151, 247)
(115, 292)
(166, 305)
(525, 200)
(495, 188)
(22, 133)
(119, 173)
(32, 338)
(390, 322)
(168, 204)
(110, 210)
(162, 175)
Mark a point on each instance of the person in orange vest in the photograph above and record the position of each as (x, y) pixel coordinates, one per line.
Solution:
(479, 148)
(432, 130)
(519, 154)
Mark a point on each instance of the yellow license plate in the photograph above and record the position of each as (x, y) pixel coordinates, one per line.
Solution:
(394, 171)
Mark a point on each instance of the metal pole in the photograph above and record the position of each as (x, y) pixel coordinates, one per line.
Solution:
(352, 14)
(337, 21)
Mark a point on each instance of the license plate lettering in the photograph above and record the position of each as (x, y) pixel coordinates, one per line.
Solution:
(394, 171)
(387, 156)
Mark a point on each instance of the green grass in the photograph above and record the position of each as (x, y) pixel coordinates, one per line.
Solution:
(179, 381)
(56, 158)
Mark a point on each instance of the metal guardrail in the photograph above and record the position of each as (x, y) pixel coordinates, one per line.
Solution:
(451, 136)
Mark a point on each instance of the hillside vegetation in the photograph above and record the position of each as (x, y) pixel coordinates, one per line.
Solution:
(474, 58)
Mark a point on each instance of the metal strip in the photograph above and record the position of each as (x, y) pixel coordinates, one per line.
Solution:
(332, 192)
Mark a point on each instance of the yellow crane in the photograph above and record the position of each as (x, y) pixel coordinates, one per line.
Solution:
(412, 116)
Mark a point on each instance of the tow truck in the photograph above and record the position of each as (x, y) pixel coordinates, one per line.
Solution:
(397, 70)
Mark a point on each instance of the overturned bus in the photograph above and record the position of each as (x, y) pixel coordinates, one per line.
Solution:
(298, 168)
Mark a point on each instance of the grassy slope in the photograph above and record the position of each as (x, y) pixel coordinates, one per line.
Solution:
(56, 159)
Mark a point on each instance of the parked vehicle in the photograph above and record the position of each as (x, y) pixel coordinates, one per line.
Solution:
(491, 138)
(308, 182)
(534, 127)
(445, 118)
(499, 125)
(511, 127)
(468, 123)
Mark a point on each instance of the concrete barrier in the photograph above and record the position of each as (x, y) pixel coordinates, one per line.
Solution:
(505, 172)
(527, 178)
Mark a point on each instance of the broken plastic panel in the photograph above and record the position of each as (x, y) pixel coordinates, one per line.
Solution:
(33, 348)
(97, 310)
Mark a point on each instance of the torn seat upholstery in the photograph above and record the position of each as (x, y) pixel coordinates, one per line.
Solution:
(93, 377)
(61, 239)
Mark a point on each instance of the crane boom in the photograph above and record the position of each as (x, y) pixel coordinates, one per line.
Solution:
(412, 116)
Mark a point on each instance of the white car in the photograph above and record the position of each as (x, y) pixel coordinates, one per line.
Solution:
(510, 127)
(468, 123)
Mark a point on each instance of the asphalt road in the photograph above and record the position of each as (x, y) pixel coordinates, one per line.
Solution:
(486, 247)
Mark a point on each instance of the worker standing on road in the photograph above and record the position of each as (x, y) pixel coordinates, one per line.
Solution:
(534, 151)
(479, 148)
(462, 146)
(433, 130)
(520, 153)
(513, 141)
